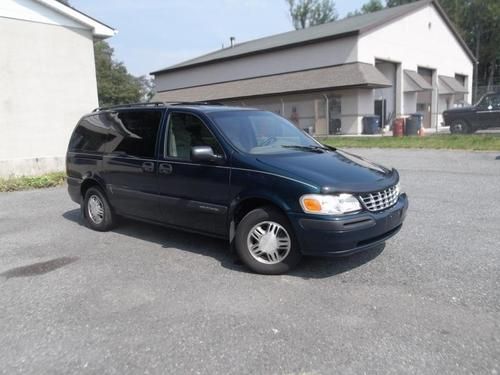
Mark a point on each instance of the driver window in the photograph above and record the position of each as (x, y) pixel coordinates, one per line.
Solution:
(486, 102)
(186, 131)
(495, 102)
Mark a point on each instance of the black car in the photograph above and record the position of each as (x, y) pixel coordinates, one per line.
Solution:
(245, 175)
(485, 114)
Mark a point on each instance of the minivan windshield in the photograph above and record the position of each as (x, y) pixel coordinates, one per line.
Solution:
(261, 132)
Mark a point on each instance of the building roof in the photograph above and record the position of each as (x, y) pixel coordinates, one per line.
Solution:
(332, 30)
(340, 76)
(99, 29)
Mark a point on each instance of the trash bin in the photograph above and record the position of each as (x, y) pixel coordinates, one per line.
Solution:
(398, 127)
(413, 124)
(371, 125)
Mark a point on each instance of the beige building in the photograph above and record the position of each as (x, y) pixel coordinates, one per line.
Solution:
(398, 61)
(47, 81)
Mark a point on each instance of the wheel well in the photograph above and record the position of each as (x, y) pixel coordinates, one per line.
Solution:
(248, 205)
(462, 120)
(88, 183)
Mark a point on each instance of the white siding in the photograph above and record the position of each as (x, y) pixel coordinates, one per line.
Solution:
(47, 76)
(323, 54)
(30, 10)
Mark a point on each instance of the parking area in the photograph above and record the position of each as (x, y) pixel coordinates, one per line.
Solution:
(144, 299)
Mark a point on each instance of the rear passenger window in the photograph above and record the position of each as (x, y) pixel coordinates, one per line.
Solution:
(90, 135)
(135, 132)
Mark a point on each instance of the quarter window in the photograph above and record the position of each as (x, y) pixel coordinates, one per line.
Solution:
(184, 132)
(90, 135)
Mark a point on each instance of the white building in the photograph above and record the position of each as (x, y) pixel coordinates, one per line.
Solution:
(47, 81)
(390, 63)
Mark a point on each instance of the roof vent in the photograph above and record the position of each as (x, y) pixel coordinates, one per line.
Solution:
(232, 39)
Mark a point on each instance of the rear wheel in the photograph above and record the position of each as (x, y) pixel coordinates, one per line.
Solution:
(97, 210)
(460, 127)
(265, 242)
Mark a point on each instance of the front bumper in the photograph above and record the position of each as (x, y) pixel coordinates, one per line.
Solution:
(342, 236)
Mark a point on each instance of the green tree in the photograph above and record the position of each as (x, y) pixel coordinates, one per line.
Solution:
(115, 85)
(306, 13)
(372, 6)
(395, 3)
(369, 7)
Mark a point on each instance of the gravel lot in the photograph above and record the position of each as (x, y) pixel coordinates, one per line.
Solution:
(143, 299)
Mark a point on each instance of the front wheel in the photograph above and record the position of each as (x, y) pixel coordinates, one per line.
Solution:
(459, 127)
(265, 242)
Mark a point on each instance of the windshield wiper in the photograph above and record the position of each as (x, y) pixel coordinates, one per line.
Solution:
(309, 148)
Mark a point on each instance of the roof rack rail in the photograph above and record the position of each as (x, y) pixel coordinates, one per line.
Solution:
(143, 104)
(196, 103)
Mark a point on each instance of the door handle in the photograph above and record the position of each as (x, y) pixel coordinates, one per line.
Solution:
(165, 168)
(148, 166)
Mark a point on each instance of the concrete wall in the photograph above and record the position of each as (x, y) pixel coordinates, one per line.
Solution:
(47, 80)
(299, 58)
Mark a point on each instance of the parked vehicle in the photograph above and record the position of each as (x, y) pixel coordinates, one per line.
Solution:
(245, 175)
(485, 114)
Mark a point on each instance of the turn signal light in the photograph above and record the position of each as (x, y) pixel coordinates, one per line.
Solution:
(312, 205)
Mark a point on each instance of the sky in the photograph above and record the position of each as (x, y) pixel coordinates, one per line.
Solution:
(154, 34)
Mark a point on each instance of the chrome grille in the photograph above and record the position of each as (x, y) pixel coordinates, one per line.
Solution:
(381, 200)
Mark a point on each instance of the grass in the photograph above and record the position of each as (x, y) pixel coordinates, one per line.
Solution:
(35, 182)
(478, 142)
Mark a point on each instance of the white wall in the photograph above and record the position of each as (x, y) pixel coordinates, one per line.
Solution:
(421, 39)
(47, 76)
(299, 58)
(410, 102)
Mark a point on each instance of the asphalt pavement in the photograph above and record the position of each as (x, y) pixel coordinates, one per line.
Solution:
(148, 300)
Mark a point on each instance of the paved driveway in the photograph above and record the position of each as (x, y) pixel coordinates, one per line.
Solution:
(143, 299)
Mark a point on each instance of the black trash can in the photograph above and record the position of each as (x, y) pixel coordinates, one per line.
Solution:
(414, 123)
(371, 125)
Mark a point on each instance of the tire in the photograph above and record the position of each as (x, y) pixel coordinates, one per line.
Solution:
(272, 249)
(460, 127)
(101, 220)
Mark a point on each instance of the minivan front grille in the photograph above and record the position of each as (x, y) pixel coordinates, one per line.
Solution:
(381, 200)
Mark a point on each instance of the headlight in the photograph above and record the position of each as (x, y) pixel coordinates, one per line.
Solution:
(398, 189)
(329, 204)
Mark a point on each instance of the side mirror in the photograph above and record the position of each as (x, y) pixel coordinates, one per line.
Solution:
(204, 153)
(490, 107)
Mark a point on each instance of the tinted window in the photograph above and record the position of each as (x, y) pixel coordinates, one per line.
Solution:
(186, 131)
(259, 132)
(90, 135)
(135, 132)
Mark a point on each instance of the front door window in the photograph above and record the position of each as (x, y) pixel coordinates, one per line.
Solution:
(184, 132)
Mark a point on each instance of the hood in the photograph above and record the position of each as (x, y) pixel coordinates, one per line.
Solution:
(469, 108)
(331, 171)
